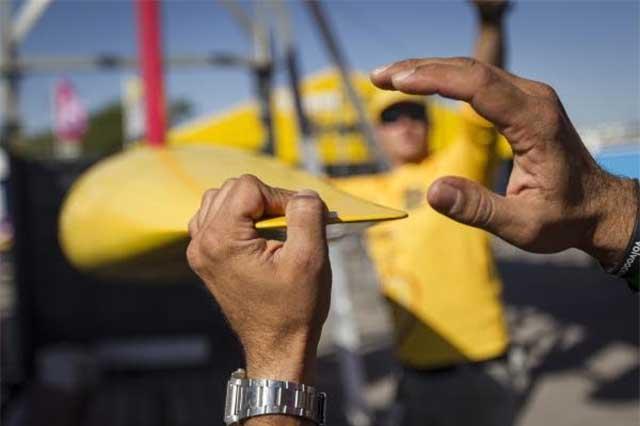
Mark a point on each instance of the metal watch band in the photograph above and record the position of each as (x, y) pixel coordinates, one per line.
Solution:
(256, 397)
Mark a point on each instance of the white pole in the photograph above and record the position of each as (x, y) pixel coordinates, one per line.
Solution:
(27, 17)
(10, 120)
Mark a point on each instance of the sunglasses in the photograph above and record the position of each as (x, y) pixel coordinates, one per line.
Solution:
(410, 110)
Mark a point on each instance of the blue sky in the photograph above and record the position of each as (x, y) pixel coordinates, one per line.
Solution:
(588, 50)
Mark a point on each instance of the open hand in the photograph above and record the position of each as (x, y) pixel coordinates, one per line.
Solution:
(557, 197)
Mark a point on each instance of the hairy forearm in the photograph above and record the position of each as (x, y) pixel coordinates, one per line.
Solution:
(490, 44)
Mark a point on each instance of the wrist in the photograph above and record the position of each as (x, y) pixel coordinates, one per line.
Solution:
(296, 364)
(290, 359)
(491, 24)
(491, 16)
(615, 204)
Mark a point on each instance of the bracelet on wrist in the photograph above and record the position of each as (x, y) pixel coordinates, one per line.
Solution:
(629, 267)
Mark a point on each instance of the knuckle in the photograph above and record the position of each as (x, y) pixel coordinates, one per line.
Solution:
(209, 239)
(192, 226)
(247, 180)
(307, 203)
(484, 212)
(467, 61)
(551, 116)
(311, 209)
(482, 72)
(208, 195)
(249, 185)
(230, 181)
(211, 245)
(194, 256)
(545, 119)
(546, 91)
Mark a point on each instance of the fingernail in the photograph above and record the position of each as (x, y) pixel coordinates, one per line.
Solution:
(402, 75)
(443, 197)
(308, 193)
(380, 69)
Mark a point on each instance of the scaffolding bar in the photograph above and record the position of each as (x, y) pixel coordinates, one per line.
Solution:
(339, 60)
(27, 18)
(52, 64)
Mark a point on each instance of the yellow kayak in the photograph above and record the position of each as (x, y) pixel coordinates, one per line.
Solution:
(127, 216)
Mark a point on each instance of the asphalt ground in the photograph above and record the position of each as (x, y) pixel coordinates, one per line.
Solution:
(576, 331)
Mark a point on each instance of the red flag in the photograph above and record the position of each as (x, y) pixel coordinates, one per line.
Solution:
(70, 115)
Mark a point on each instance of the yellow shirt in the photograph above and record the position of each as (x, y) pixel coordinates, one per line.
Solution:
(439, 275)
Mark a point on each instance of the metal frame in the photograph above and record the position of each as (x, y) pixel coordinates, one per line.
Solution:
(12, 67)
(261, 64)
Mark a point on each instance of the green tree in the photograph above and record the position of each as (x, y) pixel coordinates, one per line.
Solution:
(104, 135)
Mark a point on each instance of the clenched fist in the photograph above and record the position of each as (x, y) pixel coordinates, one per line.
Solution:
(274, 294)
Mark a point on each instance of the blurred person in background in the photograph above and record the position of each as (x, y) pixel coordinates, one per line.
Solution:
(439, 276)
(558, 197)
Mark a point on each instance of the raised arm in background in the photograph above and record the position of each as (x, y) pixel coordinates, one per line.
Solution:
(490, 46)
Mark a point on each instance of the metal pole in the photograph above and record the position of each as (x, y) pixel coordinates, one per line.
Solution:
(340, 62)
(310, 157)
(263, 83)
(28, 16)
(346, 335)
(263, 47)
(10, 79)
(53, 64)
(263, 64)
(240, 15)
(150, 51)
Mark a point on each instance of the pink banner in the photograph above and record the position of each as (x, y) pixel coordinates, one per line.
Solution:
(70, 115)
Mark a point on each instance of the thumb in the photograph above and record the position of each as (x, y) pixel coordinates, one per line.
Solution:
(306, 219)
(470, 203)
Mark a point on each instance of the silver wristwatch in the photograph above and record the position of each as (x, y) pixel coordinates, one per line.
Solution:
(257, 397)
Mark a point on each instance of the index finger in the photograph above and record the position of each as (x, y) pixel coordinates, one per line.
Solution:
(495, 94)
(382, 76)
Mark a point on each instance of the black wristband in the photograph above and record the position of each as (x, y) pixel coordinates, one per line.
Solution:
(629, 269)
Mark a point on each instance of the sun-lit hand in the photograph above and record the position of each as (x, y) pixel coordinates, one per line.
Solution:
(557, 197)
(274, 294)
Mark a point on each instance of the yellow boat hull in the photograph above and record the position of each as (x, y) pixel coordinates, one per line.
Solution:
(127, 216)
